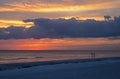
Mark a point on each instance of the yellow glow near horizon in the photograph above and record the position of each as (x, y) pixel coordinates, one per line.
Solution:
(7, 23)
(85, 17)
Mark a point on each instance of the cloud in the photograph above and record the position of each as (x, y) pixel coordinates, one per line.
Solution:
(22, 9)
(46, 6)
(6, 23)
(52, 1)
(63, 28)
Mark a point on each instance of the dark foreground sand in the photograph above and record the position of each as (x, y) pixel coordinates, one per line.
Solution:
(105, 69)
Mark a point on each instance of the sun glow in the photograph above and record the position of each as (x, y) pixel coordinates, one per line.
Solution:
(57, 44)
(100, 18)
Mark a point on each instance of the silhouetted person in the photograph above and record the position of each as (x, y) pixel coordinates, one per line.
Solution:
(92, 55)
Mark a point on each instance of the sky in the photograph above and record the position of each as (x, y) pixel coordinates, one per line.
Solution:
(13, 12)
(61, 44)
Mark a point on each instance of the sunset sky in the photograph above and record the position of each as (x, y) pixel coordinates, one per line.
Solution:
(13, 12)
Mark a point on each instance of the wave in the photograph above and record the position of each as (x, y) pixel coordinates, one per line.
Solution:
(19, 58)
(31, 64)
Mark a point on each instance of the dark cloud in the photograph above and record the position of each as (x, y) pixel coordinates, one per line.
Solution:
(62, 28)
(114, 38)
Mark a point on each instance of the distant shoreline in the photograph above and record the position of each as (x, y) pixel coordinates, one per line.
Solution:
(10, 66)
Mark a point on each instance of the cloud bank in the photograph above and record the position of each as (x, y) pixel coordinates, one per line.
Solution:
(63, 28)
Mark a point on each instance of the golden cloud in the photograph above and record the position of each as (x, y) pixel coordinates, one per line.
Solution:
(7, 23)
(23, 7)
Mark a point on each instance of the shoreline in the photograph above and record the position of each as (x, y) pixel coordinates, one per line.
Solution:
(11, 66)
(105, 68)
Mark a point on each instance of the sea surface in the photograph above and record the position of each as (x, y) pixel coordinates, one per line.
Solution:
(20, 56)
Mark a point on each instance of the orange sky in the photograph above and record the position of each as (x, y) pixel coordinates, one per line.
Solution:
(60, 44)
(7, 23)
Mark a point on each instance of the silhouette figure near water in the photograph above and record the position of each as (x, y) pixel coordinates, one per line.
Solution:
(92, 55)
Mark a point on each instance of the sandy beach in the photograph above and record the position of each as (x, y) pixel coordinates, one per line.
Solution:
(103, 69)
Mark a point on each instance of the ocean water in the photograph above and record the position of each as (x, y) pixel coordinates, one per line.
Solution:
(18, 56)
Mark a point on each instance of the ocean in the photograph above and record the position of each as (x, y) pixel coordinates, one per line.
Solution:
(20, 56)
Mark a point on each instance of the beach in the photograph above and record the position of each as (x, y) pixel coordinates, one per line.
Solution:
(104, 68)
